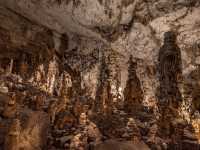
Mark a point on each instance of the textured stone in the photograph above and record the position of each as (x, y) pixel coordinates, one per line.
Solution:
(54, 49)
(111, 144)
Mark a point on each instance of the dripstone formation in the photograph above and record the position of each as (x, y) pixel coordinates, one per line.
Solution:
(170, 73)
(133, 91)
(170, 70)
(89, 75)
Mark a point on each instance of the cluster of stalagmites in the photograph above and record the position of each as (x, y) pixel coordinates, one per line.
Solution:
(48, 109)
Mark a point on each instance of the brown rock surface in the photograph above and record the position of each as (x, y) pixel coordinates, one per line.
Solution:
(100, 70)
(112, 144)
(28, 132)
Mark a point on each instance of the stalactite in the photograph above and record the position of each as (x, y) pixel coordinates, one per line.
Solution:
(68, 73)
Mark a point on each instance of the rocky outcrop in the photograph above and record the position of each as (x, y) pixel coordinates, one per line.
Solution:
(28, 132)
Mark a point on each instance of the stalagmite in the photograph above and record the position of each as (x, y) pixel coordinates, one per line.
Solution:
(51, 76)
(133, 131)
(12, 140)
(11, 66)
(23, 70)
(83, 119)
(10, 107)
(56, 107)
(39, 77)
(108, 96)
(170, 71)
(39, 101)
(97, 74)
(196, 125)
(133, 94)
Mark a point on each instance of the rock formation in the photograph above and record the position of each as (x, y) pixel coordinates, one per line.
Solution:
(98, 74)
(170, 72)
(10, 108)
(133, 91)
(104, 97)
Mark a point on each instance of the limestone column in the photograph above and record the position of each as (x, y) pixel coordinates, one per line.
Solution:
(170, 72)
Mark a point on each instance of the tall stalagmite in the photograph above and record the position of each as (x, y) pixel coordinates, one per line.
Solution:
(133, 94)
(170, 72)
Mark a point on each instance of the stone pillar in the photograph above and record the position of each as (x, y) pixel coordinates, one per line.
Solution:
(23, 70)
(133, 94)
(170, 73)
(52, 74)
